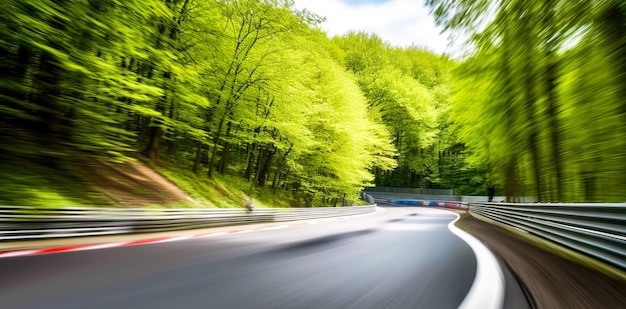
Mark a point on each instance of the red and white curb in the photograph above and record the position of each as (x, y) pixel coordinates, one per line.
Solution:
(157, 240)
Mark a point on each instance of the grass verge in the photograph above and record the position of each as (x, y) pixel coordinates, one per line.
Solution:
(25, 183)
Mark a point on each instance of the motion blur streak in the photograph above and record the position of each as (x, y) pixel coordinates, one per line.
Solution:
(404, 258)
(540, 98)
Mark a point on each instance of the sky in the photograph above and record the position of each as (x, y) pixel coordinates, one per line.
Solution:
(399, 22)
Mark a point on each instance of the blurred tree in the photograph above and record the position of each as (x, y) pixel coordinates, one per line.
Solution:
(558, 109)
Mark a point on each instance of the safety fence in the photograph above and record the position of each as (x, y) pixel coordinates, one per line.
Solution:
(448, 204)
(442, 197)
(366, 197)
(410, 190)
(24, 223)
(597, 230)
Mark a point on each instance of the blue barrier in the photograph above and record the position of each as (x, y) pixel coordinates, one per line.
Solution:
(453, 205)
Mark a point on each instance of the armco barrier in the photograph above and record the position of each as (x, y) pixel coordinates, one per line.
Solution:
(454, 205)
(597, 230)
(24, 223)
(409, 190)
(366, 197)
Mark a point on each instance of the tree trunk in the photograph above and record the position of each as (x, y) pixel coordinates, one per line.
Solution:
(280, 166)
(263, 171)
(589, 183)
(552, 104)
(284, 178)
(16, 72)
(152, 150)
(534, 152)
(511, 181)
(47, 81)
(212, 158)
(144, 129)
(156, 133)
(196, 162)
(555, 128)
(259, 160)
(530, 107)
(225, 151)
(276, 180)
(216, 140)
(612, 24)
(250, 159)
(170, 143)
(224, 160)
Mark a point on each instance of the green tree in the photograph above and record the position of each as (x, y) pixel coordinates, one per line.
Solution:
(546, 107)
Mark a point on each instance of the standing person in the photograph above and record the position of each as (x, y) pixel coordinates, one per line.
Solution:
(250, 203)
(491, 191)
(250, 206)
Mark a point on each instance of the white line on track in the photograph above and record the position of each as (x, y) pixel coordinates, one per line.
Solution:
(487, 291)
(211, 234)
(18, 253)
(274, 228)
(174, 239)
(100, 246)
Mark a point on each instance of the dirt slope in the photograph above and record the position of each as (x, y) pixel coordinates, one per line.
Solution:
(132, 184)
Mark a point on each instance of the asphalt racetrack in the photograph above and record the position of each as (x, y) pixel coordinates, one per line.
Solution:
(406, 257)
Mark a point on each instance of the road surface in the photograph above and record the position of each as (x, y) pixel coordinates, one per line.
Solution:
(406, 257)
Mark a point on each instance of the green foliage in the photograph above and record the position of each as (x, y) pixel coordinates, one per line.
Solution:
(540, 100)
(31, 184)
(246, 89)
(224, 191)
(406, 91)
(249, 97)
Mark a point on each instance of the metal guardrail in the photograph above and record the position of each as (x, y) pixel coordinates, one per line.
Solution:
(366, 197)
(410, 190)
(431, 203)
(597, 230)
(24, 223)
(429, 197)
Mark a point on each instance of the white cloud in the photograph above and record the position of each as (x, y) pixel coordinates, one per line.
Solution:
(399, 22)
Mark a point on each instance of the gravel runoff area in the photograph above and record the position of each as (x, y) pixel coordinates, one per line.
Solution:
(551, 280)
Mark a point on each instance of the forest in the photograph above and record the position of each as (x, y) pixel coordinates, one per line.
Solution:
(254, 89)
(541, 96)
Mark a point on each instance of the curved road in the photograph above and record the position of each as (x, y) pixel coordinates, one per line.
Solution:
(405, 257)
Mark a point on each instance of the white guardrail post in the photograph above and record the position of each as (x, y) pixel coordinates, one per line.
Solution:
(597, 230)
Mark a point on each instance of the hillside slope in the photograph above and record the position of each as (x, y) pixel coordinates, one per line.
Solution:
(97, 182)
(86, 182)
(133, 184)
